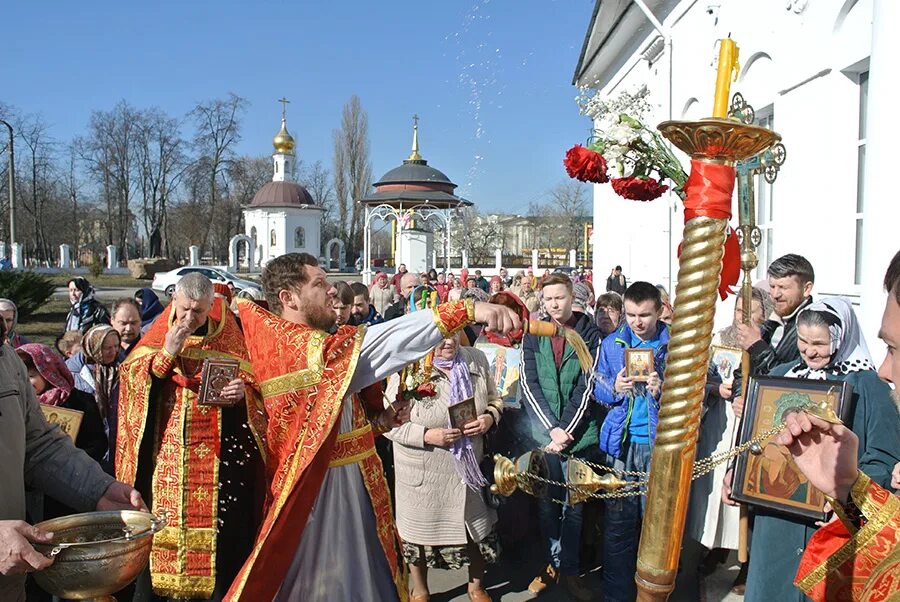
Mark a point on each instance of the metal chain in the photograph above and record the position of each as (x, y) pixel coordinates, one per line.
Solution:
(636, 488)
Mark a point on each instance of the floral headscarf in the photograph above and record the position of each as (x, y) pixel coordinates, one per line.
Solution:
(104, 375)
(52, 369)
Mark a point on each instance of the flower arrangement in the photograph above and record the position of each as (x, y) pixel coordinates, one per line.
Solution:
(642, 160)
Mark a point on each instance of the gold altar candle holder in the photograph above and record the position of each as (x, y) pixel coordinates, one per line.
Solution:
(724, 142)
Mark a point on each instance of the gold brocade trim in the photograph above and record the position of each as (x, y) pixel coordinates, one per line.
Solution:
(877, 519)
(183, 586)
(439, 311)
(360, 432)
(203, 540)
(299, 379)
(191, 353)
(278, 504)
(351, 459)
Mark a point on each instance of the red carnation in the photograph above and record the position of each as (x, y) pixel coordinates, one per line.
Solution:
(585, 165)
(638, 189)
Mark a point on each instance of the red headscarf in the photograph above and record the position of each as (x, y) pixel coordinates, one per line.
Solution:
(52, 369)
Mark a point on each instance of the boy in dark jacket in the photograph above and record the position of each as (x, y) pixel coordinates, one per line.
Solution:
(628, 431)
(557, 399)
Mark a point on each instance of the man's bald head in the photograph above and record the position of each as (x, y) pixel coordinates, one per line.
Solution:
(407, 283)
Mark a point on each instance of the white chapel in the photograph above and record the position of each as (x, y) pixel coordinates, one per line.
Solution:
(283, 218)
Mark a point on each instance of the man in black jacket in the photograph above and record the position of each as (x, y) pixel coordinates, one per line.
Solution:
(791, 280)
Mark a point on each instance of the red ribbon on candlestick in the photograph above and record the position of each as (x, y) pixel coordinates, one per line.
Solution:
(709, 189)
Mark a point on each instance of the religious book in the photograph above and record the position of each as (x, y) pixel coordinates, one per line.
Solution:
(462, 413)
(68, 420)
(217, 373)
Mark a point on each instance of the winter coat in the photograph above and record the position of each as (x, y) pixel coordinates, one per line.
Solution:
(434, 506)
(87, 312)
(560, 398)
(778, 541)
(612, 359)
(382, 298)
(38, 455)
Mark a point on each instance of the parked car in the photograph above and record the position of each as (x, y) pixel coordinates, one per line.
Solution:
(166, 281)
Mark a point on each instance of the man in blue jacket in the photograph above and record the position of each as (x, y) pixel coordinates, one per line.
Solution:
(563, 419)
(627, 433)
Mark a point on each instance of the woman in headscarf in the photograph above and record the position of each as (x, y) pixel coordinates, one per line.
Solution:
(381, 293)
(495, 285)
(831, 347)
(86, 311)
(9, 313)
(151, 307)
(54, 386)
(96, 372)
(442, 287)
(442, 518)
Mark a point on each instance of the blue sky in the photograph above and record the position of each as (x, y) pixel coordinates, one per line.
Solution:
(490, 79)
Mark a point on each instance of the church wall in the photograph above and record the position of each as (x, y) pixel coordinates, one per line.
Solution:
(800, 62)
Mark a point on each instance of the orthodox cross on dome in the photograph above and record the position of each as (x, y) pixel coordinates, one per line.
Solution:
(284, 103)
(415, 156)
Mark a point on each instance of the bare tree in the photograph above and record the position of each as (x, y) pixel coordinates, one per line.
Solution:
(317, 181)
(477, 234)
(161, 164)
(352, 170)
(567, 208)
(37, 181)
(218, 130)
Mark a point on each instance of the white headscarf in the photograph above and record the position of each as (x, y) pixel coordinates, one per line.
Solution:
(849, 352)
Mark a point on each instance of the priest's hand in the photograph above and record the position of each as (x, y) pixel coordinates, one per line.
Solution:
(234, 391)
(176, 336)
(120, 496)
(17, 556)
(496, 318)
(826, 453)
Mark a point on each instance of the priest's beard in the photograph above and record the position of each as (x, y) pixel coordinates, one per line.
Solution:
(895, 395)
(320, 318)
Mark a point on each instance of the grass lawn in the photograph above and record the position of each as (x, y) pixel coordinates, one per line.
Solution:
(47, 323)
(102, 281)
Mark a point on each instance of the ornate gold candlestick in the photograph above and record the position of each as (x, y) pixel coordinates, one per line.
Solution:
(709, 141)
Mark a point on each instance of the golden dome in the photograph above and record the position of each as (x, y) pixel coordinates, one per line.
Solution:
(283, 141)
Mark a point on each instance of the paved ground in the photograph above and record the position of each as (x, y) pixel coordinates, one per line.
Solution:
(102, 293)
(508, 580)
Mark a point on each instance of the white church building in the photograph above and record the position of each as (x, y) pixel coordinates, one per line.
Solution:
(282, 218)
(819, 72)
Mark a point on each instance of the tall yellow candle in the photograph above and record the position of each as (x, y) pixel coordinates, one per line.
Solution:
(728, 68)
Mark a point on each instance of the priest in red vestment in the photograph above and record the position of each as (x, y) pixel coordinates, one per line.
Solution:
(328, 532)
(856, 557)
(195, 462)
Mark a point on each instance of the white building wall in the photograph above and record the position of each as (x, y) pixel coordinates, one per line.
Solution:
(284, 222)
(798, 59)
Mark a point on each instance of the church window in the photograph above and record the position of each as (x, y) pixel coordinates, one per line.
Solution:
(272, 238)
(299, 237)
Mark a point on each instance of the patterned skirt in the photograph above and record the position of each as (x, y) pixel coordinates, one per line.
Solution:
(452, 557)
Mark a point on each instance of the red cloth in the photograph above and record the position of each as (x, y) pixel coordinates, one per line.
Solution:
(709, 189)
(222, 289)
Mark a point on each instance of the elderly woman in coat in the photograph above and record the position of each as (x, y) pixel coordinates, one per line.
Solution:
(442, 516)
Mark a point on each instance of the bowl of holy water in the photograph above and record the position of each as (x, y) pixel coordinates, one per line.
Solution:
(96, 553)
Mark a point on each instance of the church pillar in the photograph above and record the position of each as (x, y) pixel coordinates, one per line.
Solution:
(881, 135)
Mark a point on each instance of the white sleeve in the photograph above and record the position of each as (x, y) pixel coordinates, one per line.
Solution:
(389, 346)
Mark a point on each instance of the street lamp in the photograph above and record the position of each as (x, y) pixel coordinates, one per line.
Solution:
(12, 186)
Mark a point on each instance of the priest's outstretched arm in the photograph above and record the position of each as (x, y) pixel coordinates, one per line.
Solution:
(388, 347)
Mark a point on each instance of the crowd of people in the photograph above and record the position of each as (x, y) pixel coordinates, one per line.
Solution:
(366, 448)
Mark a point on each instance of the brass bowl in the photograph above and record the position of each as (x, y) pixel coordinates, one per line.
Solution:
(96, 553)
